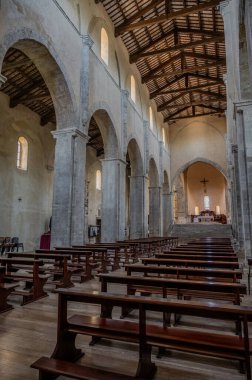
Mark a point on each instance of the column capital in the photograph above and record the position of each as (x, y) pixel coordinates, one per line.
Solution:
(223, 7)
(3, 79)
(104, 160)
(74, 132)
(87, 40)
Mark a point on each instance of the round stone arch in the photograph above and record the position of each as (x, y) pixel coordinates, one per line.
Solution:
(153, 173)
(198, 159)
(103, 117)
(43, 54)
(136, 161)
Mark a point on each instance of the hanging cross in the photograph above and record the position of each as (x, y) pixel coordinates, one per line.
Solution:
(204, 181)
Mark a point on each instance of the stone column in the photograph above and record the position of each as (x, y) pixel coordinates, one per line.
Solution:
(138, 210)
(87, 44)
(166, 210)
(68, 192)
(155, 211)
(237, 199)
(244, 140)
(113, 200)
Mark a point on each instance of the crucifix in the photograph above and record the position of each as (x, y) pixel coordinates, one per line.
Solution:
(204, 181)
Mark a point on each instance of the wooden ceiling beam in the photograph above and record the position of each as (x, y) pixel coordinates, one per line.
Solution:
(221, 62)
(182, 90)
(134, 57)
(46, 118)
(179, 47)
(193, 103)
(179, 111)
(160, 67)
(93, 138)
(167, 119)
(23, 94)
(206, 77)
(211, 94)
(14, 65)
(168, 85)
(139, 14)
(202, 56)
(119, 30)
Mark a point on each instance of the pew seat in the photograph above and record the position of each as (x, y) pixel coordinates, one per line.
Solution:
(47, 366)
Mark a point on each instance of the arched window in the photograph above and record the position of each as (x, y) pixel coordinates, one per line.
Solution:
(151, 118)
(133, 88)
(163, 135)
(22, 153)
(98, 180)
(206, 202)
(104, 46)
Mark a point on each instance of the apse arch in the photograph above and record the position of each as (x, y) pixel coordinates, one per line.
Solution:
(42, 53)
(194, 161)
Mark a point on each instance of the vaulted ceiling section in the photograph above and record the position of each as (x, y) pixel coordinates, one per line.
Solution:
(179, 49)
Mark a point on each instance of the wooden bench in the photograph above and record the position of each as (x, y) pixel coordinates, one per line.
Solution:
(59, 269)
(228, 291)
(191, 256)
(56, 367)
(34, 282)
(146, 335)
(191, 263)
(180, 272)
(5, 291)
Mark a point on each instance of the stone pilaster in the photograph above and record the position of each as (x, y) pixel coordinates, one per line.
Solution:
(146, 127)
(244, 139)
(113, 200)
(124, 130)
(155, 211)
(237, 198)
(138, 207)
(68, 192)
(166, 213)
(87, 44)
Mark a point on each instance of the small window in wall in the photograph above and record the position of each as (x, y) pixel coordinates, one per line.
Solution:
(206, 202)
(98, 180)
(104, 46)
(151, 118)
(133, 88)
(163, 135)
(22, 153)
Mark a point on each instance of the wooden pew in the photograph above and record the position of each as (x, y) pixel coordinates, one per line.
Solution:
(228, 291)
(5, 291)
(191, 256)
(99, 255)
(191, 263)
(143, 333)
(59, 270)
(197, 252)
(34, 282)
(180, 272)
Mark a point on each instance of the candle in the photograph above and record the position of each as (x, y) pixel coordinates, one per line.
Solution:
(217, 210)
(196, 211)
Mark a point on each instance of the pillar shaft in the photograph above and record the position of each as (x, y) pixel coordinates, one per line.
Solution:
(113, 200)
(138, 210)
(68, 193)
(155, 211)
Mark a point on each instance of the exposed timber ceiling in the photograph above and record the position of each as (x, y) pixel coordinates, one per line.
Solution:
(26, 86)
(179, 49)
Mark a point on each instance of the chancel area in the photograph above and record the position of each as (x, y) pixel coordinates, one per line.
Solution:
(125, 192)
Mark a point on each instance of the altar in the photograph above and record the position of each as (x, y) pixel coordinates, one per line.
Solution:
(205, 218)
